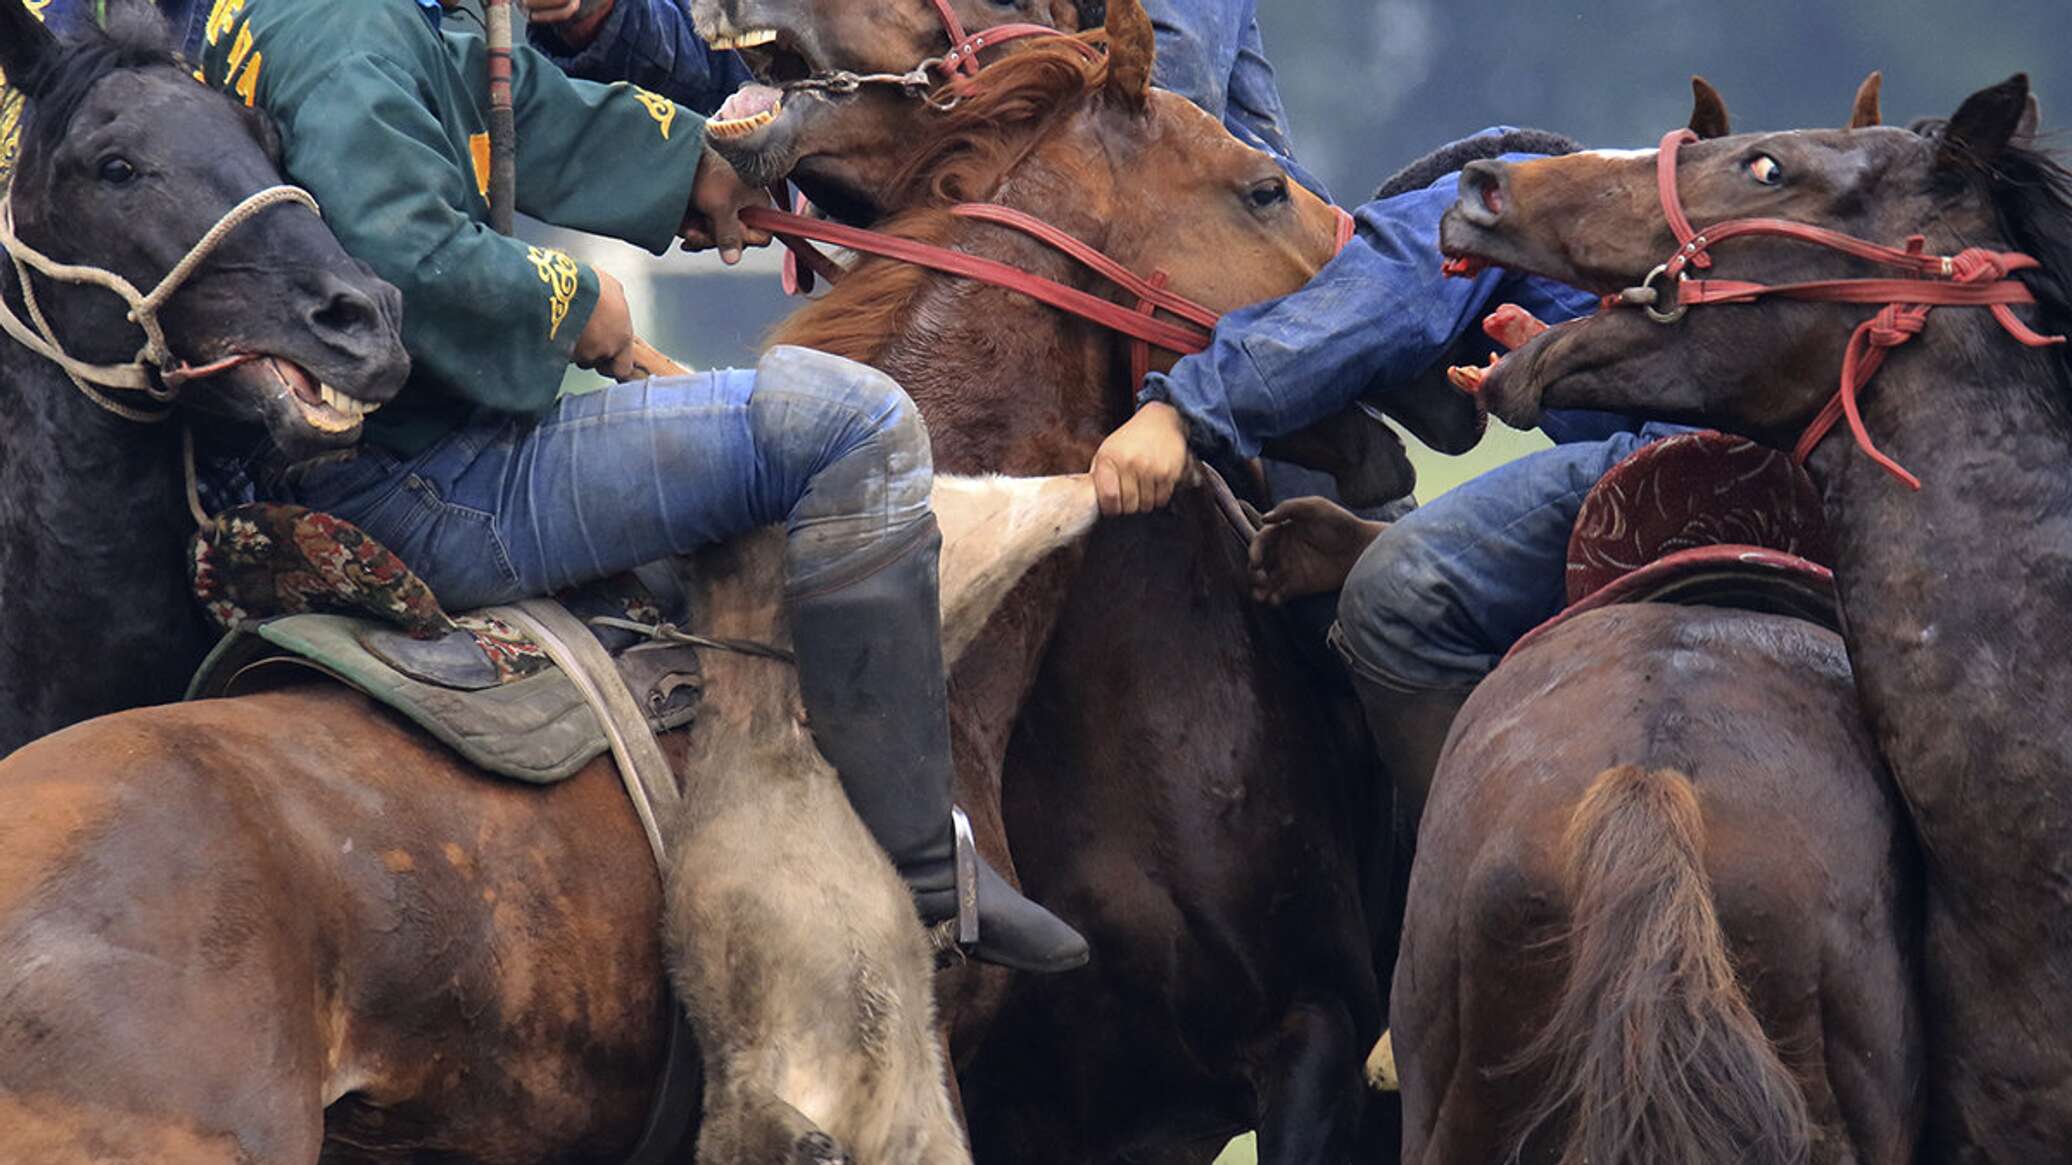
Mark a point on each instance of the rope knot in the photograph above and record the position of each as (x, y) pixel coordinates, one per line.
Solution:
(1893, 326)
(1977, 265)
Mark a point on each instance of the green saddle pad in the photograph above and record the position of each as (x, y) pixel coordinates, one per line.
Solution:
(533, 726)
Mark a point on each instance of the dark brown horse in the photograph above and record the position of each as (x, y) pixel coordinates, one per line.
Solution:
(261, 928)
(91, 510)
(1686, 935)
(1957, 595)
(1172, 746)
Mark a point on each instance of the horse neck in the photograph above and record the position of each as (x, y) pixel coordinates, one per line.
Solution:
(95, 613)
(1956, 596)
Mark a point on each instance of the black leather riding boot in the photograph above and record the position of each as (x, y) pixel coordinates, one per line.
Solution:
(1409, 727)
(871, 674)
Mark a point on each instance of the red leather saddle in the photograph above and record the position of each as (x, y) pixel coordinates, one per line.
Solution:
(1701, 518)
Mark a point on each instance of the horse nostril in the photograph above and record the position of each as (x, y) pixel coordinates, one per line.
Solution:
(347, 312)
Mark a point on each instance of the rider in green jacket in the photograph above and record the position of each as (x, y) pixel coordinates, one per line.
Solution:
(494, 487)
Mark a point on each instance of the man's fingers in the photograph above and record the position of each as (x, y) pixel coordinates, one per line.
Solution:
(1132, 491)
(1107, 488)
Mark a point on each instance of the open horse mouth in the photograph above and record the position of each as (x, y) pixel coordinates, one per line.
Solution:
(323, 408)
(778, 59)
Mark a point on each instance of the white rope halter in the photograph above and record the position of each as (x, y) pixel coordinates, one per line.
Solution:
(155, 355)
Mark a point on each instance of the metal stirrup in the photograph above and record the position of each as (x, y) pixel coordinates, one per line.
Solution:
(967, 879)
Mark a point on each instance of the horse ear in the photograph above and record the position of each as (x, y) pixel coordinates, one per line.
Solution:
(2032, 120)
(1708, 110)
(1865, 112)
(1132, 51)
(1077, 15)
(25, 46)
(1984, 124)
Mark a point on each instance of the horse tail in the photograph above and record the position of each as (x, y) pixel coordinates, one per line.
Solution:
(1656, 1056)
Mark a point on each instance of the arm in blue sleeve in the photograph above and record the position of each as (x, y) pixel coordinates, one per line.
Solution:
(1379, 314)
(652, 44)
(1254, 111)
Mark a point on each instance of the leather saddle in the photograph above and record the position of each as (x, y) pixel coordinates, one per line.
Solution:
(1702, 518)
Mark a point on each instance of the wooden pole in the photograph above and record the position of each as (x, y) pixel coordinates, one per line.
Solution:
(503, 127)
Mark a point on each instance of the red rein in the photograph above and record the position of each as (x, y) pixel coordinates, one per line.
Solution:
(1972, 278)
(797, 231)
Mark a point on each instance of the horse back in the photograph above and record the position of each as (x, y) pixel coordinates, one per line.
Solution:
(299, 880)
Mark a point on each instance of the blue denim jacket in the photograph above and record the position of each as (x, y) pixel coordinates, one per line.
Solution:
(1210, 52)
(652, 44)
(1377, 315)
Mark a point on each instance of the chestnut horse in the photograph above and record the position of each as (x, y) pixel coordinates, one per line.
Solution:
(1686, 936)
(273, 926)
(1180, 783)
(1957, 594)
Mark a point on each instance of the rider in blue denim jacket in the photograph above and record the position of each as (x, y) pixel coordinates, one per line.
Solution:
(1439, 596)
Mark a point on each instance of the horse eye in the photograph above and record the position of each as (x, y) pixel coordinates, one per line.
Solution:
(1271, 192)
(117, 171)
(1764, 169)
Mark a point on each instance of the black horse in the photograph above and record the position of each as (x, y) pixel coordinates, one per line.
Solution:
(125, 164)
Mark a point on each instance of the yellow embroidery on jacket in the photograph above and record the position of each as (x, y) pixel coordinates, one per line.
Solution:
(478, 152)
(248, 81)
(221, 17)
(659, 107)
(36, 7)
(561, 275)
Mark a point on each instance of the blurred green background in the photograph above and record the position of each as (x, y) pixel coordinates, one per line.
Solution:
(1371, 84)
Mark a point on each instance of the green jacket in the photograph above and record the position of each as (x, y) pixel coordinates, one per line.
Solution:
(385, 121)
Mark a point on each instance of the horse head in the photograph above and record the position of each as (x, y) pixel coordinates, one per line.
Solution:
(125, 164)
(1597, 220)
(841, 145)
(1084, 143)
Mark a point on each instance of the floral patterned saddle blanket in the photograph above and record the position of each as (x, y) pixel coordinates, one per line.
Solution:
(1702, 518)
(299, 593)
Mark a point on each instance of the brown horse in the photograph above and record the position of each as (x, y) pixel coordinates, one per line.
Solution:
(1957, 595)
(1221, 998)
(1687, 935)
(268, 927)
(1684, 936)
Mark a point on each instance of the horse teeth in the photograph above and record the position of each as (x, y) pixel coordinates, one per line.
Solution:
(746, 40)
(350, 406)
(741, 127)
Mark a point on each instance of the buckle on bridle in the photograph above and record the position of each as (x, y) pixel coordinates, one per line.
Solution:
(1648, 297)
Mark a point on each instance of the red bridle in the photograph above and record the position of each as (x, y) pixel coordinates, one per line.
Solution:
(1139, 322)
(962, 59)
(1972, 278)
(798, 231)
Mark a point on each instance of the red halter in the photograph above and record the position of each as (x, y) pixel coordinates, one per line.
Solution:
(962, 59)
(1972, 278)
(1140, 322)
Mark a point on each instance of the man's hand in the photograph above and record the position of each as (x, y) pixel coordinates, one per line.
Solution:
(714, 217)
(1138, 466)
(1306, 546)
(608, 341)
(576, 21)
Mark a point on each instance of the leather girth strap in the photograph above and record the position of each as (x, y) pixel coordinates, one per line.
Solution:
(652, 786)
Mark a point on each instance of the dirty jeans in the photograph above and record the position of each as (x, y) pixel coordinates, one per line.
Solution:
(1437, 599)
(508, 507)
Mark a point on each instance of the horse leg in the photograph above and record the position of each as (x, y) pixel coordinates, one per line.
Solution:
(1311, 1101)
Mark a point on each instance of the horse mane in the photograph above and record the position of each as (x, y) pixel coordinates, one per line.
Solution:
(1453, 155)
(972, 148)
(2030, 188)
(134, 37)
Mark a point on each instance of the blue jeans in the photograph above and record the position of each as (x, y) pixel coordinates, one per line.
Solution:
(1437, 599)
(508, 507)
